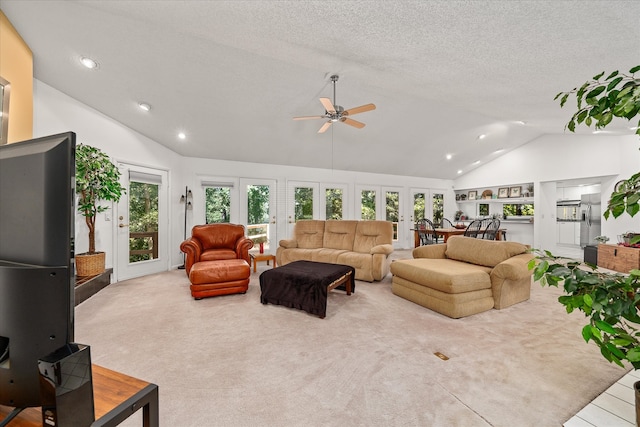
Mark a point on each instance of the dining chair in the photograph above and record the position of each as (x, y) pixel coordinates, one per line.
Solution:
(426, 232)
(447, 224)
(492, 230)
(474, 228)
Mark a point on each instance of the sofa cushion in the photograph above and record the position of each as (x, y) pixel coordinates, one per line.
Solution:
(326, 255)
(445, 275)
(339, 234)
(482, 252)
(372, 233)
(309, 233)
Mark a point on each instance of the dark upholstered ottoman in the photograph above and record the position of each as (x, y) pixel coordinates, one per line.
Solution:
(223, 277)
(304, 285)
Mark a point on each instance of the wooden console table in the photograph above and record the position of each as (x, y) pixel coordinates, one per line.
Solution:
(115, 397)
(618, 257)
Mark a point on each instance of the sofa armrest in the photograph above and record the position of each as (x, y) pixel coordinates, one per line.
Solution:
(385, 249)
(431, 251)
(514, 268)
(242, 249)
(193, 250)
(289, 243)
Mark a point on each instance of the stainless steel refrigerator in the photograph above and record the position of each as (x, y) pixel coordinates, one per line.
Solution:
(591, 213)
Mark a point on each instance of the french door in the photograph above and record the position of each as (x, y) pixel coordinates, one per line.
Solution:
(382, 203)
(258, 210)
(142, 222)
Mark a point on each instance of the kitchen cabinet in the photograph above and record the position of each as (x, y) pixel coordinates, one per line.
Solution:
(568, 232)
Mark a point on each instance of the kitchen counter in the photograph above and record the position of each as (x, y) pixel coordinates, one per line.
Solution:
(567, 220)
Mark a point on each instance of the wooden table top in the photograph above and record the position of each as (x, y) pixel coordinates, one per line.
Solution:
(110, 389)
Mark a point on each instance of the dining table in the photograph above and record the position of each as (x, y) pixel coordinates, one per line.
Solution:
(452, 231)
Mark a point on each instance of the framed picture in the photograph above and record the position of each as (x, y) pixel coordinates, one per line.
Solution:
(472, 195)
(503, 192)
(514, 191)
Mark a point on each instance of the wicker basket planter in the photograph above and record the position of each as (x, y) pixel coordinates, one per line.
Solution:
(90, 264)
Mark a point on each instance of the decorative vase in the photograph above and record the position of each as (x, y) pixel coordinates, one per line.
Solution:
(261, 247)
(89, 264)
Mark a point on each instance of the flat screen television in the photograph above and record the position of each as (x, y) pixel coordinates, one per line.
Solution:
(37, 198)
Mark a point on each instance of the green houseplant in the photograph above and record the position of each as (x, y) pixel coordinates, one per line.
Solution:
(609, 300)
(97, 178)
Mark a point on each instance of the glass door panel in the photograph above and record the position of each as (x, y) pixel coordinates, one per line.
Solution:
(142, 223)
(437, 208)
(368, 206)
(258, 210)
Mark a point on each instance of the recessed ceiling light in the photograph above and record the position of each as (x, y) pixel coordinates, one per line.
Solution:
(144, 106)
(520, 122)
(482, 136)
(498, 151)
(182, 135)
(477, 162)
(460, 171)
(89, 63)
(448, 156)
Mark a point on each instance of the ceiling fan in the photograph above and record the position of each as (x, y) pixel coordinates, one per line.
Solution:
(335, 113)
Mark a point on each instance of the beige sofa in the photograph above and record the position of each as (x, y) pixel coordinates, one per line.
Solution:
(464, 276)
(363, 245)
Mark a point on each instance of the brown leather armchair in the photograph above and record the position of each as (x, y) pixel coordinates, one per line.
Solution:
(214, 242)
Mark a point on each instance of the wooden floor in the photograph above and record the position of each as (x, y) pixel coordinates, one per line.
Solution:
(613, 408)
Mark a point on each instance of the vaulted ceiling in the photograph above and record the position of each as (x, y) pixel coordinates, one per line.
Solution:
(231, 75)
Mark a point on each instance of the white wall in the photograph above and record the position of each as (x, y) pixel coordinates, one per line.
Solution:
(552, 158)
(55, 112)
(543, 161)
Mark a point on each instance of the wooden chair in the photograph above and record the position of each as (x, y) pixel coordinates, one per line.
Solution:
(426, 232)
(447, 224)
(474, 228)
(492, 230)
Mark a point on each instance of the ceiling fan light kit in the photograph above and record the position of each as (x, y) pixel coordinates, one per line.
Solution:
(335, 113)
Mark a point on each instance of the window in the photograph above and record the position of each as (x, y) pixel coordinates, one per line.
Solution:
(368, 204)
(393, 210)
(438, 208)
(513, 209)
(217, 204)
(418, 206)
(333, 197)
(303, 202)
(483, 209)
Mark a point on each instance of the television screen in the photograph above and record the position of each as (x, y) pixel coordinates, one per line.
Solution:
(36, 260)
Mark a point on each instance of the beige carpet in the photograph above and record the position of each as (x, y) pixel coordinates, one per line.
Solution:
(231, 361)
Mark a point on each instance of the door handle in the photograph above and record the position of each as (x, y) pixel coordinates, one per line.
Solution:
(121, 225)
(274, 220)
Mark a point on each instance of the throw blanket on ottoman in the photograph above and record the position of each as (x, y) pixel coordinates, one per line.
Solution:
(303, 285)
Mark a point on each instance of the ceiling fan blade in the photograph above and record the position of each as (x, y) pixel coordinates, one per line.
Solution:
(360, 109)
(325, 127)
(328, 105)
(308, 117)
(351, 122)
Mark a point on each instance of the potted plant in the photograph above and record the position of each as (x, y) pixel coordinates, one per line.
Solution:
(97, 178)
(609, 300)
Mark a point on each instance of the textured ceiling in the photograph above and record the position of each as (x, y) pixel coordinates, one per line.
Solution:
(232, 74)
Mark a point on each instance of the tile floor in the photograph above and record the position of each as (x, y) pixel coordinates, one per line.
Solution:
(613, 408)
(616, 406)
